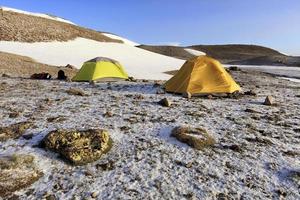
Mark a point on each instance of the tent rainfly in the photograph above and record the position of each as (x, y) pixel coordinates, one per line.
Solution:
(202, 75)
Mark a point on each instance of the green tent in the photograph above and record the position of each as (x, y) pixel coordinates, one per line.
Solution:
(100, 68)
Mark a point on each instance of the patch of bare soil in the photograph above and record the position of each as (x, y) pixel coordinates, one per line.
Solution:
(17, 172)
(13, 131)
(26, 28)
(22, 66)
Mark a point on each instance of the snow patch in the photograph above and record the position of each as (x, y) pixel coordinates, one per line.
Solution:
(195, 52)
(36, 15)
(126, 41)
(137, 62)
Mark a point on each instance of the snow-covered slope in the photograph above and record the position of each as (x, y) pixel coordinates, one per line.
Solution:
(36, 14)
(126, 41)
(195, 52)
(138, 63)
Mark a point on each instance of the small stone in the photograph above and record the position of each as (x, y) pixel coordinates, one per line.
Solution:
(76, 91)
(187, 95)
(250, 93)
(106, 166)
(165, 102)
(250, 110)
(269, 101)
(14, 115)
(210, 97)
(108, 114)
(94, 195)
(197, 138)
(6, 76)
(234, 68)
(93, 83)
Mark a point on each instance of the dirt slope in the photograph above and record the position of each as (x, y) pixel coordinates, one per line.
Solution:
(21, 66)
(26, 28)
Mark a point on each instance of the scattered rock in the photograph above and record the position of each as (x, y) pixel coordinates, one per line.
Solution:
(92, 83)
(197, 138)
(210, 96)
(131, 79)
(70, 66)
(76, 91)
(250, 93)
(234, 68)
(14, 114)
(28, 136)
(17, 172)
(187, 95)
(6, 76)
(106, 166)
(41, 76)
(108, 114)
(233, 147)
(94, 195)
(250, 110)
(13, 131)
(56, 119)
(269, 101)
(61, 75)
(79, 147)
(165, 102)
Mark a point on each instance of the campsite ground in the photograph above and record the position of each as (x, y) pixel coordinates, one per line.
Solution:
(256, 155)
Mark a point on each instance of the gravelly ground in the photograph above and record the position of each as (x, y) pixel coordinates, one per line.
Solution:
(256, 155)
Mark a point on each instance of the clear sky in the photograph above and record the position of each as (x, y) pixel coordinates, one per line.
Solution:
(272, 23)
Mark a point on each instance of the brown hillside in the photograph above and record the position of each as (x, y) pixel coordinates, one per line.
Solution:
(21, 66)
(230, 53)
(177, 52)
(26, 28)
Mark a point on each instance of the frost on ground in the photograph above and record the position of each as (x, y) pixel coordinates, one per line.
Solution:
(256, 155)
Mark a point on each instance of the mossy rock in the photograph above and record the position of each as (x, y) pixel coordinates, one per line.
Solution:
(14, 131)
(79, 147)
(17, 172)
(197, 138)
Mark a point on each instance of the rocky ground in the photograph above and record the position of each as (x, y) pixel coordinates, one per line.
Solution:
(254, 154)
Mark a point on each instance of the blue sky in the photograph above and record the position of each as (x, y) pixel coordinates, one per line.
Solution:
(272, 23)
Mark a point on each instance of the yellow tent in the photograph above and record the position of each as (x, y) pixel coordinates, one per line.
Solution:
(100, 68)
(202, 75)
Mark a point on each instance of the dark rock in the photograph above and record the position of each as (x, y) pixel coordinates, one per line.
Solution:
(6, 76)
(250, 110)
(78, 147)
(187, 95)
(250, 93)
(61, 75)
(14, 114)
(269, 101)
(70, 66)
(197, 138)
(41, 76)
(106, 166)
(234, 68)
(165, 102)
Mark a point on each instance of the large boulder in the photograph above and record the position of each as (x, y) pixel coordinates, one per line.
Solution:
(17, 172)
(79, 147)
(197, 138)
